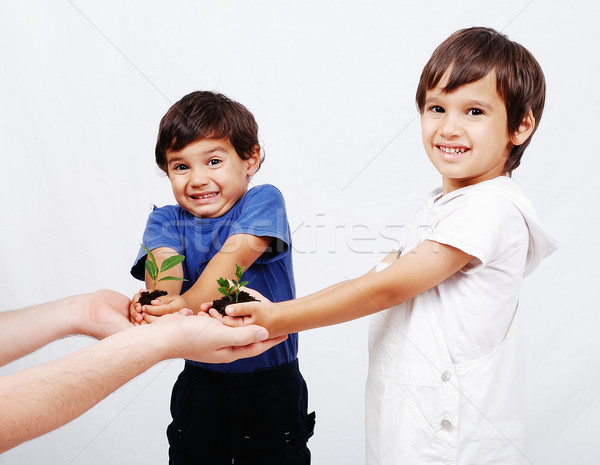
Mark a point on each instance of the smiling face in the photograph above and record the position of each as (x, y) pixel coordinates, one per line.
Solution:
(465, 132)
(208, 177)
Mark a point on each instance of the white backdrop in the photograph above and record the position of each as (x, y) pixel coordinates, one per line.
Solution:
(83, 85)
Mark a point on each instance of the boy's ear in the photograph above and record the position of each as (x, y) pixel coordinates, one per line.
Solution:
(525, 129)
(253, 162)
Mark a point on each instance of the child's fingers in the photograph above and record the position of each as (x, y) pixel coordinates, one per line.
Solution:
(243, 309)
(134, 313)
(136, 298)
(215, 314)
(257, 295)
(157, 308)
(149, 318)
(205, 307)
(226, 320)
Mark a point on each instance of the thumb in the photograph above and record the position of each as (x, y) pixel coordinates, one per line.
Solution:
(250, 334)
(243, 309)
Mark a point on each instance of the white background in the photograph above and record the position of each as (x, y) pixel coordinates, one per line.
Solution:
(83, 86)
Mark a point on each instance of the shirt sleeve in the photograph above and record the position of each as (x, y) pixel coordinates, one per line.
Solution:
(161, 231)
(482, 224)
(263, 214)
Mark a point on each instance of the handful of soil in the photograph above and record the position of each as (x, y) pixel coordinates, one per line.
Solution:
(147, 297)
(220, 304)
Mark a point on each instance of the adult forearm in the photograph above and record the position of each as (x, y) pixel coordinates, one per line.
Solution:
(97, 314)
(23, 331)
(43, 398)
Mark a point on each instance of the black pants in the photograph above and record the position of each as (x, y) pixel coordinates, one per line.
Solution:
(258, 418)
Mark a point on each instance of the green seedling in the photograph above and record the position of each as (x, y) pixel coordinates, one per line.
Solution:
(229, 290)
(154, 272)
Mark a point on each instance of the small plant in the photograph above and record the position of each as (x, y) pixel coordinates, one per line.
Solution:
(154, 272)
(229, 291)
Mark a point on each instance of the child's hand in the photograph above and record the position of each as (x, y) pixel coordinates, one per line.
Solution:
(135, 310)
(164, 305)
(244, 314)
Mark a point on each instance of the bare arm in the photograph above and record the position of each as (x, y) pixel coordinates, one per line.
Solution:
(43, 398)
(414, 273)
(240, 249)
(98, 314)
(172, 287)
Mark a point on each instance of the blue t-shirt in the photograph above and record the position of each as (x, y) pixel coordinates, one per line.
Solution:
(260, 212)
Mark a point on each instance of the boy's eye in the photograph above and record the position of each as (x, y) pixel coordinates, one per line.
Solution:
(474, 112)
(180, 167)
(213, 161)
(436, 109)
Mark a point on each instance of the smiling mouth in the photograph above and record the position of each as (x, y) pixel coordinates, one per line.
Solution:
(204, 196)
(452, 150)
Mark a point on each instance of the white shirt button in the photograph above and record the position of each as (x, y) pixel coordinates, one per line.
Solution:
(446, 424)
(446, 375)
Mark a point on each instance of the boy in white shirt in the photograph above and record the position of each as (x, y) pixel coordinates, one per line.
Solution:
(443, 382)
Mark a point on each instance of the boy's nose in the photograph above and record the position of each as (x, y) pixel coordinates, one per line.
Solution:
(198, 177)
(450, 126)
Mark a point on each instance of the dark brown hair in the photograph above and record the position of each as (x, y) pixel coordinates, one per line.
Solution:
(469, 55)
(206, 115)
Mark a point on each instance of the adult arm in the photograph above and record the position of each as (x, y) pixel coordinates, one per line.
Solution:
(98, 314)
(415, 272)
(43, 398)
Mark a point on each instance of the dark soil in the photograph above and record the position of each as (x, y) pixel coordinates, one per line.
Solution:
(147, 297)
(220, 304)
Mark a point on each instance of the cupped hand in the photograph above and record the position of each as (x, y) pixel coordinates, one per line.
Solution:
(135, 309)
(163, 305)
(247, 313)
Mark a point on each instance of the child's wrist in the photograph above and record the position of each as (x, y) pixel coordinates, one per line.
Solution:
(275, 319)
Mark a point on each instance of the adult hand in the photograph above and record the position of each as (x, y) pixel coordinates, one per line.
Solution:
(205, 339)
(104, 312)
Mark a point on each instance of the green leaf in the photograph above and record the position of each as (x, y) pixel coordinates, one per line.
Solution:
(171, 278)
(151, 268)
(243, 283)
(150, 256)
(224, 291)
(223, 282)
(171, 262)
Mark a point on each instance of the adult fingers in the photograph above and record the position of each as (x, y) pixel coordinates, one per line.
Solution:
(247, 335)
(257, 348)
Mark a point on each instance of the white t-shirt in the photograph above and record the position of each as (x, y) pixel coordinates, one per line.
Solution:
(476, 305)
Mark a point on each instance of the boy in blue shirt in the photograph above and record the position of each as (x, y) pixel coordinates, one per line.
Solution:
(254, 410)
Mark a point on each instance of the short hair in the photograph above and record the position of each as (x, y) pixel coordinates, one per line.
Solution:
(469, 55)
(206, 115)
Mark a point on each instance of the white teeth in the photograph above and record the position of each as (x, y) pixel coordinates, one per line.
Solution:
(205, 196)
(451, 150)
